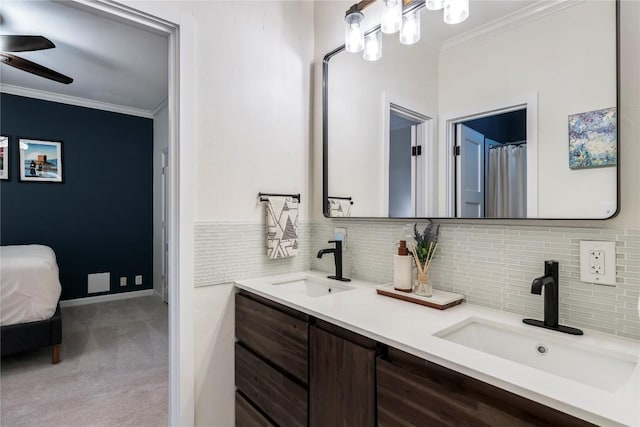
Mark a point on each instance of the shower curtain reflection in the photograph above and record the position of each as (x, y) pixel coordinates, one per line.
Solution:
(507, 188)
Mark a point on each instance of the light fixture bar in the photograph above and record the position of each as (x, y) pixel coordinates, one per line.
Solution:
(363, 4)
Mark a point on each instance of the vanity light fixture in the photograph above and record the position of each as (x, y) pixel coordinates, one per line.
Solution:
(436, 4)
(410, 32)
(398, 15)
(373, 46)
(456, 11)
(391, 17)
(353, 33)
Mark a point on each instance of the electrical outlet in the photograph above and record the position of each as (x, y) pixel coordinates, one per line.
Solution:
(139, 279)
(123, 281)
(598, 262)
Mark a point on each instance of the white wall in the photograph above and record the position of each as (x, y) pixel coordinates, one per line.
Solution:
(253, 104)
(160, 143)
(569, 64)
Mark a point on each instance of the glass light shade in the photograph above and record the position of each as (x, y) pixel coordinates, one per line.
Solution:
(436, 4)
(353, 33)
(410, 32)
(391, 17)
(456, 11)
(373, 46)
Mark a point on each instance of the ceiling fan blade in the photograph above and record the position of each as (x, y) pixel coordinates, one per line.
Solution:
(10, 43)
(33, 68)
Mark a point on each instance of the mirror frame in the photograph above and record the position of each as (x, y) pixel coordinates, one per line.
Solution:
(325, 147)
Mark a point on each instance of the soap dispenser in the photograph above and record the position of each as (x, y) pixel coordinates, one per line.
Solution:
(402, 265)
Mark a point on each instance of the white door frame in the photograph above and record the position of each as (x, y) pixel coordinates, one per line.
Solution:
(168, 19)
(424, 138)
(447, 122)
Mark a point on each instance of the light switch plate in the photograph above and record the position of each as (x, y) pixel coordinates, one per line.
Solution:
(340, 233)
(598, 262)
(139, 279)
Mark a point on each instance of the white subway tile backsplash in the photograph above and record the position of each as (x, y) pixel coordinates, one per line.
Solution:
(491, 265)
(226, 251)
(494, 265)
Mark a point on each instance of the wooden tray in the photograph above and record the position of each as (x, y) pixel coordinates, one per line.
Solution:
(440, 299)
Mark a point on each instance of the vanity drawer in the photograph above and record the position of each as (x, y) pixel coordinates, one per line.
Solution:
(280, 338)
(248, 416)
(282, 399)
(411, 391)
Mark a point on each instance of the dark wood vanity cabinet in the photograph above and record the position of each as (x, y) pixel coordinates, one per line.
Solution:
(342, 378)
(293, 370)
(274, 332)
(414, 392)
(272, 361)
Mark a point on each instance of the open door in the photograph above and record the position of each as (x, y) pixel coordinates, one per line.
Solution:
(165, 233)
(470, 172)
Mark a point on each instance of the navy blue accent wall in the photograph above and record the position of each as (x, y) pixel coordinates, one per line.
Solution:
(101, 218)
(507, 127)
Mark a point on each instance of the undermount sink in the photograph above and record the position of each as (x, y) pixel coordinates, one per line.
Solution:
(594, 366)
(313, 287)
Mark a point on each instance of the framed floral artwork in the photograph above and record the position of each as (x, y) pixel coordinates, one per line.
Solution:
(593, 139)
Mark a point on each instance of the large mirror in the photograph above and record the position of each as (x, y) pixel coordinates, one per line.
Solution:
(510, 114)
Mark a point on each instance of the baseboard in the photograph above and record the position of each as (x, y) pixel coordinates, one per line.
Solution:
(105, 298)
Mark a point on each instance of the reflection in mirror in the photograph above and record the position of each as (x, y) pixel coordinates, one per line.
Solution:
(485, 119)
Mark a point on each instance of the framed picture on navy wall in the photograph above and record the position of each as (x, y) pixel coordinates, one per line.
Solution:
(40, 161)
(4, 158)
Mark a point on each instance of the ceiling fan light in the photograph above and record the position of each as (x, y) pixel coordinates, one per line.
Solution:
(373, 46)
(410, 31)
(456, 11)
(436, 4)
(391, 16)
(353, 32)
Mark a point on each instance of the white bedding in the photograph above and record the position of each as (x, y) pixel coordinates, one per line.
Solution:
(29, 284)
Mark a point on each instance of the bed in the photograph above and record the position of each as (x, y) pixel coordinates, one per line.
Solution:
(29, 300)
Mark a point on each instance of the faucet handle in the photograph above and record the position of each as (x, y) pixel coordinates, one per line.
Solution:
(337, 242)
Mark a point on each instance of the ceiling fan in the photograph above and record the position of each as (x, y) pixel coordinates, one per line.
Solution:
(13, 43)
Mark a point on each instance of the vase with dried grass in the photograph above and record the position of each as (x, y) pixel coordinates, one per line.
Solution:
(423, 251)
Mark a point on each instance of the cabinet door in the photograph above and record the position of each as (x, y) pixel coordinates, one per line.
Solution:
(247, 415)
(412, 392)
(280, 398)
(278, 337)
(342, 382)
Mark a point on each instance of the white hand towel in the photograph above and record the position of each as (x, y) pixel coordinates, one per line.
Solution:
(282, 227)
(339, 207)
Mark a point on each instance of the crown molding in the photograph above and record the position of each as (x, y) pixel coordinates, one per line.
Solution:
(160, 106)
(508, 22)
(73, 100)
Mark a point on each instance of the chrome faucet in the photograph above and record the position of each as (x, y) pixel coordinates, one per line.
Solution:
(337, 256)
(551, 300)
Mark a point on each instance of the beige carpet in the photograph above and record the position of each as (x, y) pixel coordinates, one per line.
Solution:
(113, 372)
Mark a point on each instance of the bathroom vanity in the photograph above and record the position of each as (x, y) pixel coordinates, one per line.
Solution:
(312, 352)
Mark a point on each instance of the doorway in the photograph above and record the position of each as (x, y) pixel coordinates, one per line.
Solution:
(408, 163)
(179, 197)
(456, 189)
(491, 166)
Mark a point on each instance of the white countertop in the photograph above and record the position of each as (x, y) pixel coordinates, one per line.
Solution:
(410, 327)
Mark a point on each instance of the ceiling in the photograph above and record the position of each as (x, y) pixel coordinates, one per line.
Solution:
(110, 61)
